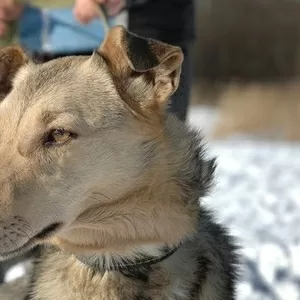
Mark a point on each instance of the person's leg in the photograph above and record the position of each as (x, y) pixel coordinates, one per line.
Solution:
(180, 100)
(170, 21)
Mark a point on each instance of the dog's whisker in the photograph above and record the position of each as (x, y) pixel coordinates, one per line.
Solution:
(101, 194)
(25, 234)
(12, 241)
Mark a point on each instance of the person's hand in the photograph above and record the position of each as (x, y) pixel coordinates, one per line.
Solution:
(10, 10)
(86, 10)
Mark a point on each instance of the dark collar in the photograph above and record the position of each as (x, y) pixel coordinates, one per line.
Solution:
(137, 269)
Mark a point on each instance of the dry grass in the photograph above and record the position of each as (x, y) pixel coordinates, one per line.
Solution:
(271, 110)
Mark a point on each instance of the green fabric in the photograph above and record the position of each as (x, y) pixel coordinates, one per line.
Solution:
(10, 37)
(53, 3)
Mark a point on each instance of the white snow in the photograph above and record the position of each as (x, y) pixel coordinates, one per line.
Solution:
(258, 197)
(295, 260)
(271, 258)
(14, 273)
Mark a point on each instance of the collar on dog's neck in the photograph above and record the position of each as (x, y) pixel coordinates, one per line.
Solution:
(137, 268)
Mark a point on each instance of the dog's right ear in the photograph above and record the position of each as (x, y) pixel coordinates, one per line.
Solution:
(146, 71)
(12, 58)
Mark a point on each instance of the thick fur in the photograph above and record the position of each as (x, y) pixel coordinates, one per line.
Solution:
(121, 184)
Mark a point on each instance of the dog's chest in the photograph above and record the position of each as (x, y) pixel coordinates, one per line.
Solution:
(65, 278)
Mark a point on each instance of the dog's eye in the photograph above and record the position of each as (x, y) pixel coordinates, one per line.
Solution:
(57, 136)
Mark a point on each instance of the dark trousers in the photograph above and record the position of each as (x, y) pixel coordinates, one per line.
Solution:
(181, 98)
(170, 21)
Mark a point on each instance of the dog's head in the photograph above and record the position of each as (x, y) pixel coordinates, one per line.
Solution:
(82, 141)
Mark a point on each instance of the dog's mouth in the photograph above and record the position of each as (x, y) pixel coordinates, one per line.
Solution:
(47, 231)
(44, 234)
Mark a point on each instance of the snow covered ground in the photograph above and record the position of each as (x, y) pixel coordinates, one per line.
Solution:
(258, 197)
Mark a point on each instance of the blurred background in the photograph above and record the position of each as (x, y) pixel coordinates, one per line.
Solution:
(246, 100)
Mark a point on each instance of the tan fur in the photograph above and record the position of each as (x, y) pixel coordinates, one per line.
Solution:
(143, 211)
(271, 110)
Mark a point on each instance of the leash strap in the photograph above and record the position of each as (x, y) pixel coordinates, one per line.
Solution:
(103, 16)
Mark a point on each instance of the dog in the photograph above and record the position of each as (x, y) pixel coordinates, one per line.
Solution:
(95, 172)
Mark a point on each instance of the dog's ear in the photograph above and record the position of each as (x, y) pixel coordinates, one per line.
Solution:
(12, 58)
(147, 71)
